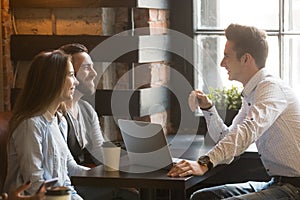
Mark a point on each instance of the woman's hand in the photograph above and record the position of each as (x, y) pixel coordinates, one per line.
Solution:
(16, 194)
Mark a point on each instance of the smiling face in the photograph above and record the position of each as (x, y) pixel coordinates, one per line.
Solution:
(70, 83)
(85, 73)
(232, 64)
(239, 69)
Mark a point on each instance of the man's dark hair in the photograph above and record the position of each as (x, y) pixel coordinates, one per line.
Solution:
(248, 39)
(74, 48)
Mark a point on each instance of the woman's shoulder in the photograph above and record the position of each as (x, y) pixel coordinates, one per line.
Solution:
(34, 120)
(32, 125)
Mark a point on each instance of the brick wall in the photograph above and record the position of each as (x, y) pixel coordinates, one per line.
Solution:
(91, 21)
(158, 19)
(7, 71)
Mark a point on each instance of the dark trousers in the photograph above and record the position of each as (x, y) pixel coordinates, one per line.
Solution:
(106, 193)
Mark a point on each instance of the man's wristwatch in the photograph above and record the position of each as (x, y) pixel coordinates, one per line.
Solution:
(206, 109)
(205, 161)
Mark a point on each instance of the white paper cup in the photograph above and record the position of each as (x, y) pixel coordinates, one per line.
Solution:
(111, 158)
(58, 193)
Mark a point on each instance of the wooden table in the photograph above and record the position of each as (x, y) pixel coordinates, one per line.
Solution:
(146, 182)
(150, 181)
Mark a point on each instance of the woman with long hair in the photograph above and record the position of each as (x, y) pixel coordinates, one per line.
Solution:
(37, 150)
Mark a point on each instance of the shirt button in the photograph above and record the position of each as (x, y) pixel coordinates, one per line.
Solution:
(259, 155)
(249, 104)
(221, 133)
(268, 170)
(210, 114)
(251, 119)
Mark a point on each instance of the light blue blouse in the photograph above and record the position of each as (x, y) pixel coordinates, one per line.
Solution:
(37, 151)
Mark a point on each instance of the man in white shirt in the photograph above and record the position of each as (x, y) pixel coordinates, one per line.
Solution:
(269, 117)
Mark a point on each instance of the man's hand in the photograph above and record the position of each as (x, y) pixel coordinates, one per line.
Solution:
(187, 168)
(198, 98)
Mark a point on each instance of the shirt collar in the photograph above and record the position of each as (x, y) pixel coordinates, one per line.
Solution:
(252, 83)
(47, 115)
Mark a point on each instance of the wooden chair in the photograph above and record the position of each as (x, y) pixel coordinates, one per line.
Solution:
(4, 120)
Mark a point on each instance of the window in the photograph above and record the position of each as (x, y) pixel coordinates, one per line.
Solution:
(279, 18)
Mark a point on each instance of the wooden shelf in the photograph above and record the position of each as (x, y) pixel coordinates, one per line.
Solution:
(137, 49)
(128, 49)
(155, 4)
(140, 102)
(25, 47)
(147, 48)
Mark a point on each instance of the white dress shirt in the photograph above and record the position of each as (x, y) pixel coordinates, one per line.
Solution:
(270, 117)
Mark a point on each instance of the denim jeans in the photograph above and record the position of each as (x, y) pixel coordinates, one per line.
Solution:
(250, 191)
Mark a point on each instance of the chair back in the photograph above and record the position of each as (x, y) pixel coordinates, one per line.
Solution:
(4, 120)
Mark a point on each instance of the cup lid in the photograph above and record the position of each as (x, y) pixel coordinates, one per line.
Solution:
(57, 191)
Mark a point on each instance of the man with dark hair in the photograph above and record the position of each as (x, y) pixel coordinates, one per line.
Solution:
(269, 117)
(85, 136)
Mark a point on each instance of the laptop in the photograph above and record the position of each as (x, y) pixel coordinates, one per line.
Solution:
(146, 144)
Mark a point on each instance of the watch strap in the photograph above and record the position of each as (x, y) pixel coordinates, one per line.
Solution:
(205, 160)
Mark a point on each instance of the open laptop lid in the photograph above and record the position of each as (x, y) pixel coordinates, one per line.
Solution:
(146, 144)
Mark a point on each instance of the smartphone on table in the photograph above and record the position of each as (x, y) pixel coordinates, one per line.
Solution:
(48, 183)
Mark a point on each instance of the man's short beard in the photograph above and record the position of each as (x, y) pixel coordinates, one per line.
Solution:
(84, 89)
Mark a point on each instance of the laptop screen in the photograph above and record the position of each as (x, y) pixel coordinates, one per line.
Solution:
(145, 143)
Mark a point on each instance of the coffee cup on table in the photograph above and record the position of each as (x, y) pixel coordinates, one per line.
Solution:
(58, 193)
(111, 156)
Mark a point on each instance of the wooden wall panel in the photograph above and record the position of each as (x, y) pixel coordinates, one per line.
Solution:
(158, 4)
(1, 66)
